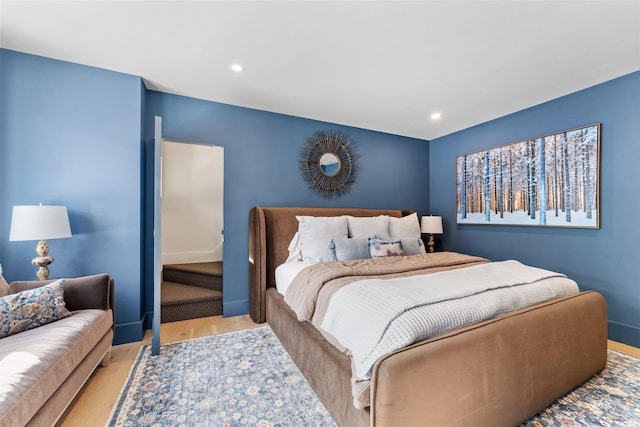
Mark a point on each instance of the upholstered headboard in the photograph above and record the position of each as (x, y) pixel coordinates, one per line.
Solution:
(270, 231)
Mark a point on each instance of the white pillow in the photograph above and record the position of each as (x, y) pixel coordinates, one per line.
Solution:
(295, 254)
(421, 247)
(412, 246)
(406, 227)
(315, 233)
(369, 226)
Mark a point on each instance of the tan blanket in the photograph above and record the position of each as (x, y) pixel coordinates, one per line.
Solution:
(312, 289)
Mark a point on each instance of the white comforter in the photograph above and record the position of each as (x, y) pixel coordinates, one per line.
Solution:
(374, 317)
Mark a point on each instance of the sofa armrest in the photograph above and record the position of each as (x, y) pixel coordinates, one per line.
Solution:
(80, 293)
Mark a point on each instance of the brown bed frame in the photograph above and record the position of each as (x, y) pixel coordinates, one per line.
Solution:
(496, 373)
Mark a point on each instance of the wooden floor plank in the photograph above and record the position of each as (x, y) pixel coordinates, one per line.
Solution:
(623, 348)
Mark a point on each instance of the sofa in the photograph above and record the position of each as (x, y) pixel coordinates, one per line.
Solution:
(42, 369)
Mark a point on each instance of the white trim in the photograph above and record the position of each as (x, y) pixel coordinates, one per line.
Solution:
(194, 256)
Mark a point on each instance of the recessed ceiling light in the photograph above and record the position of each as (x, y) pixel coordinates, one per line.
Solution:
(435, 116)
(237, 68)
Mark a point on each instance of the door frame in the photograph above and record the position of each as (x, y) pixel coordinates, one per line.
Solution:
(157, 228)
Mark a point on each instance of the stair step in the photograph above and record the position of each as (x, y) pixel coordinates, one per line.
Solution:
(178, 293)
(213, 268)
(203, 274)
(181, 302)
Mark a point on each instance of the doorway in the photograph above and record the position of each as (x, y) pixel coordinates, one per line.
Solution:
(192, 235)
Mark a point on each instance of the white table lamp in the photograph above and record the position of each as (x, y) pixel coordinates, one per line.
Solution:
(40, 223)
(431, 225)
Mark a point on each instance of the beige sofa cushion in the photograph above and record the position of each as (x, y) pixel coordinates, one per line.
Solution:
(34, 363)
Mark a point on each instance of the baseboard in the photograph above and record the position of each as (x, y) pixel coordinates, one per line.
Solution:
(134, 331)
(148, 320)
(188, 257)
(235, 308)
(623, 333)
(129, 332)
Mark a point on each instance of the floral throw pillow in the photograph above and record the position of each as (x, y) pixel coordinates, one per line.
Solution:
(381, 248)
(30, 309)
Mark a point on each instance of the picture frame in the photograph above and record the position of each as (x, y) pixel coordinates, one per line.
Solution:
(508, 184)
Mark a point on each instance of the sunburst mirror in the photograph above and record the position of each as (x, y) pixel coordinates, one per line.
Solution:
(327, 163)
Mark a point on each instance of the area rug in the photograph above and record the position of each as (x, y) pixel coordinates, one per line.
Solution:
(246, 378)
(611, 398)
(243, 378)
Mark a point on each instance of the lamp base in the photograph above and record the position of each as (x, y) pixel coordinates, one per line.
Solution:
(42, 260)
(431, 243)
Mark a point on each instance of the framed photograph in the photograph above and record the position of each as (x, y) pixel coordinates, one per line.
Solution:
(548, 181)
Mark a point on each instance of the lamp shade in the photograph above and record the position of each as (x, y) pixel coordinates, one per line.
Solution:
(431, 225)
(39, 223)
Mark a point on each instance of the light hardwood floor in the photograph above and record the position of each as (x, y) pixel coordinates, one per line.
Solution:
(623, 348)
(95, 402)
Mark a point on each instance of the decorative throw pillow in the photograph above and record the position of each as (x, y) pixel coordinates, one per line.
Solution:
(30, 309)
(381, 248)
(315, 233)
(368, 226)
(348, 249)
(407, 227)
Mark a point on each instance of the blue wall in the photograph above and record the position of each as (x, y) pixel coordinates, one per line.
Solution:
(71, 135)
(607, 259)
(79, 136)
(74, 135)
(261, 154)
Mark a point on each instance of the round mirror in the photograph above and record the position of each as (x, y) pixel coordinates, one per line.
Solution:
(329, 164)
(326, 161)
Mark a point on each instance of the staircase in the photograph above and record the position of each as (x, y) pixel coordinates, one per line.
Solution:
(190, 291)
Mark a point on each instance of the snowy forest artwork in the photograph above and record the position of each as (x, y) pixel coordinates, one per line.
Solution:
(547, 181)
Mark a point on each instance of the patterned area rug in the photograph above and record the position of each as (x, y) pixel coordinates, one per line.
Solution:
(243, 378)
(611, 398)
(246, 378)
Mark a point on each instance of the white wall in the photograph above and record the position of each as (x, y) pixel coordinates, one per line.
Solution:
(192, 196)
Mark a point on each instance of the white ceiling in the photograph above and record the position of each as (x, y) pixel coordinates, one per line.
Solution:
(385, 65)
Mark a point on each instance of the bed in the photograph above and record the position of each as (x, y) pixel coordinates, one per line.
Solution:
(499, 372)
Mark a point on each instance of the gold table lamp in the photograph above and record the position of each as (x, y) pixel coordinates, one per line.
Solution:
(431, 225)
